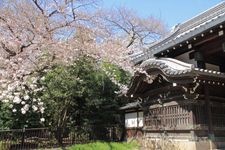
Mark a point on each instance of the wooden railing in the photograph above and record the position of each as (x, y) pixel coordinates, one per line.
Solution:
(169, 117)
(184, 116)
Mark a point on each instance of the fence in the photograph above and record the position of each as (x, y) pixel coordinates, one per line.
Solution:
(21, 139)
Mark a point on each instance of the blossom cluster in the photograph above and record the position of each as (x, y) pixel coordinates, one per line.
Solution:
(22, 97)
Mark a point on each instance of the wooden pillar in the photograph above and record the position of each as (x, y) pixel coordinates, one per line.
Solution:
(209, 113)
(192, 122)
(192, 115)
(137, 119)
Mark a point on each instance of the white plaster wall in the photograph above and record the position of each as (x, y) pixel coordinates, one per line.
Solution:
(131, 119)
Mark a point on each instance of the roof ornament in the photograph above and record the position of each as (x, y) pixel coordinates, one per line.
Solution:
(190, 92)
(174, 28)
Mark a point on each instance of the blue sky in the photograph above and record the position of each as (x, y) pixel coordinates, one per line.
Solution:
(171, 12)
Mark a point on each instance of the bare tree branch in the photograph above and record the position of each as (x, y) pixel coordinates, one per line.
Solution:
(11, 53)
(38, 6)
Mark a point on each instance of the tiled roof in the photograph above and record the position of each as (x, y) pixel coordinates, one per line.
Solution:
(186, 30)
(172, 71)
(173, 67)
(131, 105)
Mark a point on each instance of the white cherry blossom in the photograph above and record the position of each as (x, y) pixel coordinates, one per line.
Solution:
(23, 111)
(16, 100)
(42, 119)
(35, 108)
(26, 107)
(42, 109)
(26, 97)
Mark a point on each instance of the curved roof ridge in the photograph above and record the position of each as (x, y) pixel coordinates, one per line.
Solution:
(171, 63)
(170, 66)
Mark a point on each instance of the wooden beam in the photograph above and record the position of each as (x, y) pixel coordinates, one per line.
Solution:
(206, 40)
(216, 60)
(159, 91)
(212, 45)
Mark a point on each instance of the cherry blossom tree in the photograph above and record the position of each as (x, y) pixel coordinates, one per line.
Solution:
(36, 34)
(33, 36)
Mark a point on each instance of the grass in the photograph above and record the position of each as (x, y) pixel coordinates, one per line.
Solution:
(4, 145)
(106, 146)
(1, 145)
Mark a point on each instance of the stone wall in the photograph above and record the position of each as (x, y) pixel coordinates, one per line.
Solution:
(178, 141)
(179, 144)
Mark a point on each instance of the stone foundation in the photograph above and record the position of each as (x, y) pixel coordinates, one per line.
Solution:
(180, 144)
(183, 140)
(133, 133)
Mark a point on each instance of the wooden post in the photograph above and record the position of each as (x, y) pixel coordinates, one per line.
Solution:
(137, 119)
(209, 113)
(192, 115)
(137, 128)
(23, 137)
(192, 122)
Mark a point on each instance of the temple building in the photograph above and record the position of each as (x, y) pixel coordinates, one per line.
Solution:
(180, 93)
